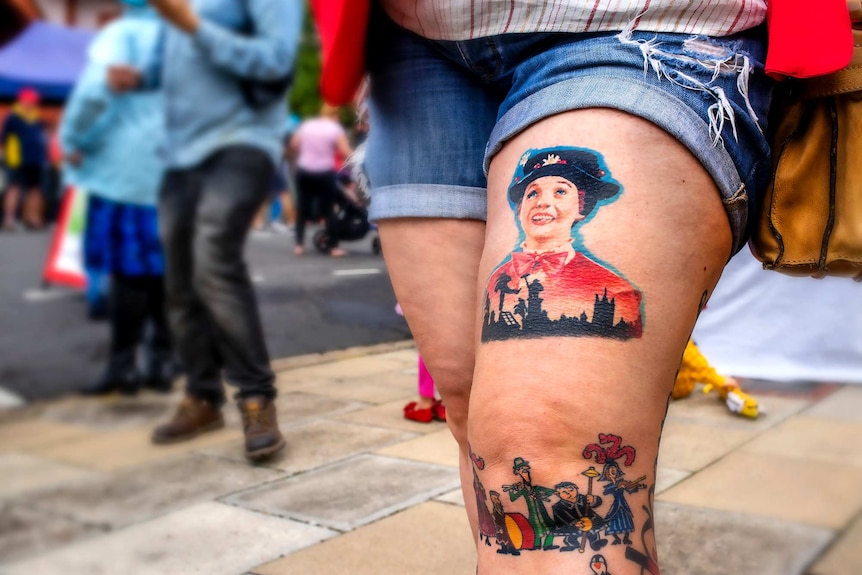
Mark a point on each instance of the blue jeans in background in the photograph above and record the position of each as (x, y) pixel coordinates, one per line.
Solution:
(205, 213)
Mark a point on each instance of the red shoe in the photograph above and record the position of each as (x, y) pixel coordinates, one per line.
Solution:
(439, 410)
(420, 415)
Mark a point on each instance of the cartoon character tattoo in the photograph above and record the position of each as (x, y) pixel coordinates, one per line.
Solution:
(487, 526)
(620, 519)
(540, 523)
(575, 517)
(568, 292)
(599, 565)
(540, 515)
(501, 527)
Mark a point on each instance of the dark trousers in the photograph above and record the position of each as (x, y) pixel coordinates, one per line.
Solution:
(135, 302)
(320, 189)
(204, 216)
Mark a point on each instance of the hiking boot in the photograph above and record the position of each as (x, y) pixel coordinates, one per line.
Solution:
(193, 417)
(262, 436)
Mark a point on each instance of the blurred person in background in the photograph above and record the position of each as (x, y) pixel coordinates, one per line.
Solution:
(286, 201)
(225, 67)
(315, 149)
(53, 188)
(278, 214)
(24, 146)
(111, 144)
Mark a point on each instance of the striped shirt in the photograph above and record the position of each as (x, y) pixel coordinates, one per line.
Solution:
(465, 19)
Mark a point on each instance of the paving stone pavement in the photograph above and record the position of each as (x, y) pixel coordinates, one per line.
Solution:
(361, 491)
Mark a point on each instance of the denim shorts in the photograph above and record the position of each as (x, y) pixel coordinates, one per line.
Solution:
(440, 110)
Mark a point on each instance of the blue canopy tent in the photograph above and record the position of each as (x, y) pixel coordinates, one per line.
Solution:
(45, 57)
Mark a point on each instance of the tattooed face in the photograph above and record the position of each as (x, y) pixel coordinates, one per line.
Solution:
(568, 493)
(550, 207)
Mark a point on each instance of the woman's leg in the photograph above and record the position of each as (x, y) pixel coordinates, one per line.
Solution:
(547, 411)
(432, 264)
(430, 121)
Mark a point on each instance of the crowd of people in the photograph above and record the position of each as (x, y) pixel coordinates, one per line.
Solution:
(174, 190)
(553, 220)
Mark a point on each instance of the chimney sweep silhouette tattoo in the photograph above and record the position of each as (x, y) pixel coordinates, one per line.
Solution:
(550, 285)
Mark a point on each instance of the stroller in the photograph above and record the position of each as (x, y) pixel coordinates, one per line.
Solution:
(352, 220)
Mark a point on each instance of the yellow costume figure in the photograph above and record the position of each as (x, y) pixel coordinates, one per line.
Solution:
(696, 369)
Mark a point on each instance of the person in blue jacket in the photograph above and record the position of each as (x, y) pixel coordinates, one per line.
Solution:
(111, 145)
(224, 70)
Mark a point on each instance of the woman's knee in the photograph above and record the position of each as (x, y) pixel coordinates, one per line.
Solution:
(551, 415)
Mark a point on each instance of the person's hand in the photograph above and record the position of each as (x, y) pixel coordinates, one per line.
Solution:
(123, 78)
(178, 13)
(74, 159)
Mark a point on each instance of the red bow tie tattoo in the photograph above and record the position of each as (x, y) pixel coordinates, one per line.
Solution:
(550, 262)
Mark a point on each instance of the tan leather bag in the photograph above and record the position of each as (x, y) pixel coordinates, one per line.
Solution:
(810, 222)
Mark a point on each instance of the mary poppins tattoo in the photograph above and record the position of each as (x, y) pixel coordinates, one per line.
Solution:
(550, 285)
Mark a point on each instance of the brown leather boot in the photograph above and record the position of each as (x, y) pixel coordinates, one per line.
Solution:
(262, 436)
(193, 417)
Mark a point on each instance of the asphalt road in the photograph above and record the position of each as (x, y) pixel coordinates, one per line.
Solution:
(308, 304)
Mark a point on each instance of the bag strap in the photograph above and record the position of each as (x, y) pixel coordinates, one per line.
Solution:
(843, 81)
(847, 79)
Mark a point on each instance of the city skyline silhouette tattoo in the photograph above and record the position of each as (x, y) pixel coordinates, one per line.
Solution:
(550, 285)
